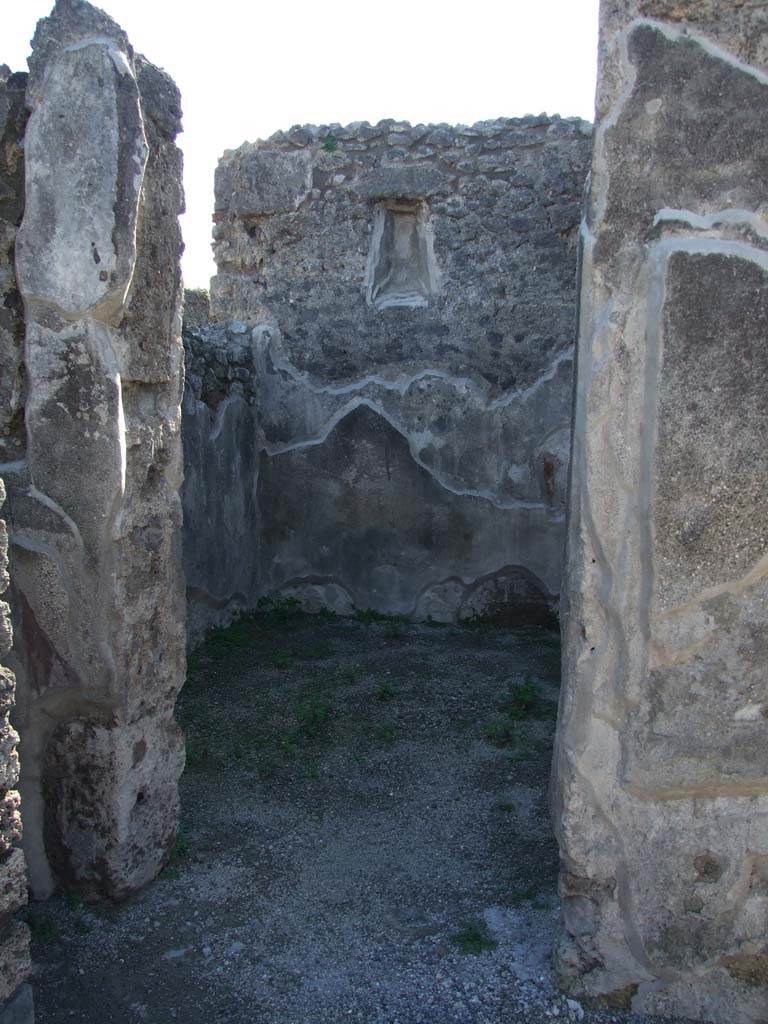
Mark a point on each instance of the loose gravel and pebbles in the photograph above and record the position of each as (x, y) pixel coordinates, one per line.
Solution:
(365, 838)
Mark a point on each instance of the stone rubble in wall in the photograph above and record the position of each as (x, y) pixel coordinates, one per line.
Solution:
(15, 996)
(488, 319)
(219, 362)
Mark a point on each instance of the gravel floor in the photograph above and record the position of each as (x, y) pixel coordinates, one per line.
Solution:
(365, 838)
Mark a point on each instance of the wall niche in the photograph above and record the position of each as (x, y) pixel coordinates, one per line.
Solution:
(401, 264)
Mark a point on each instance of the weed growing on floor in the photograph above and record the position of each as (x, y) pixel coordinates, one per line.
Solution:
(501, 732)
(223, 640)
(531, 894)
(202, 754)
(549, 639)
(326, 615)
(347, 675)
(473, 939)
(421, 673)
(511, 735)
(180, 854)
(43, 928)
(525, 701)
(371, 615)
(383, 732)
(385, 693)
(313, 717)
(282, 660)
(267, 767)
(77, 908)
(319, 650)
(478, 623)
(73, 902)
(276, 610)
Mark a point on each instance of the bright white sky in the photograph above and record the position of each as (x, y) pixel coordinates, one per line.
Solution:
(246, 70)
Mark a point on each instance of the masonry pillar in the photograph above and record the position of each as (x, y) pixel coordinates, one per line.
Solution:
(661, 773)
(94, 506)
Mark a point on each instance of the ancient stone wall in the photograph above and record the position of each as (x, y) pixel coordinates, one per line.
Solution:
(13, 119)
(661, 795)
(15, 995)
(92, 461)
(379, 415)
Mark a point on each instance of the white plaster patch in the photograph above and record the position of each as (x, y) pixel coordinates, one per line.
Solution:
(707, 222)
(750, 713)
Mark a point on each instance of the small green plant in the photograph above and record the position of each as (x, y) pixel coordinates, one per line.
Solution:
(530, 893)
(282, 660)
(73, 902)
(201, 755)
(313, 716)
(266, 768)
(383, 732)
(393, 630)
(43, 928)
(223, 640)
(319, 650)
(242, 753)
(371, 615)
(505, 732)
(385, 693)
(473, 939)
(330, 143)
(182, 848)
(276, 606)
(477, 623)
(525, 702)
(422, 676)
(180, 854)
(502, 732)
(549, 639)
(347, 675)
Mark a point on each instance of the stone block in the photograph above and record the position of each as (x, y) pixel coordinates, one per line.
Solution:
(113, 803)
(256, 182)
(402, 181)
